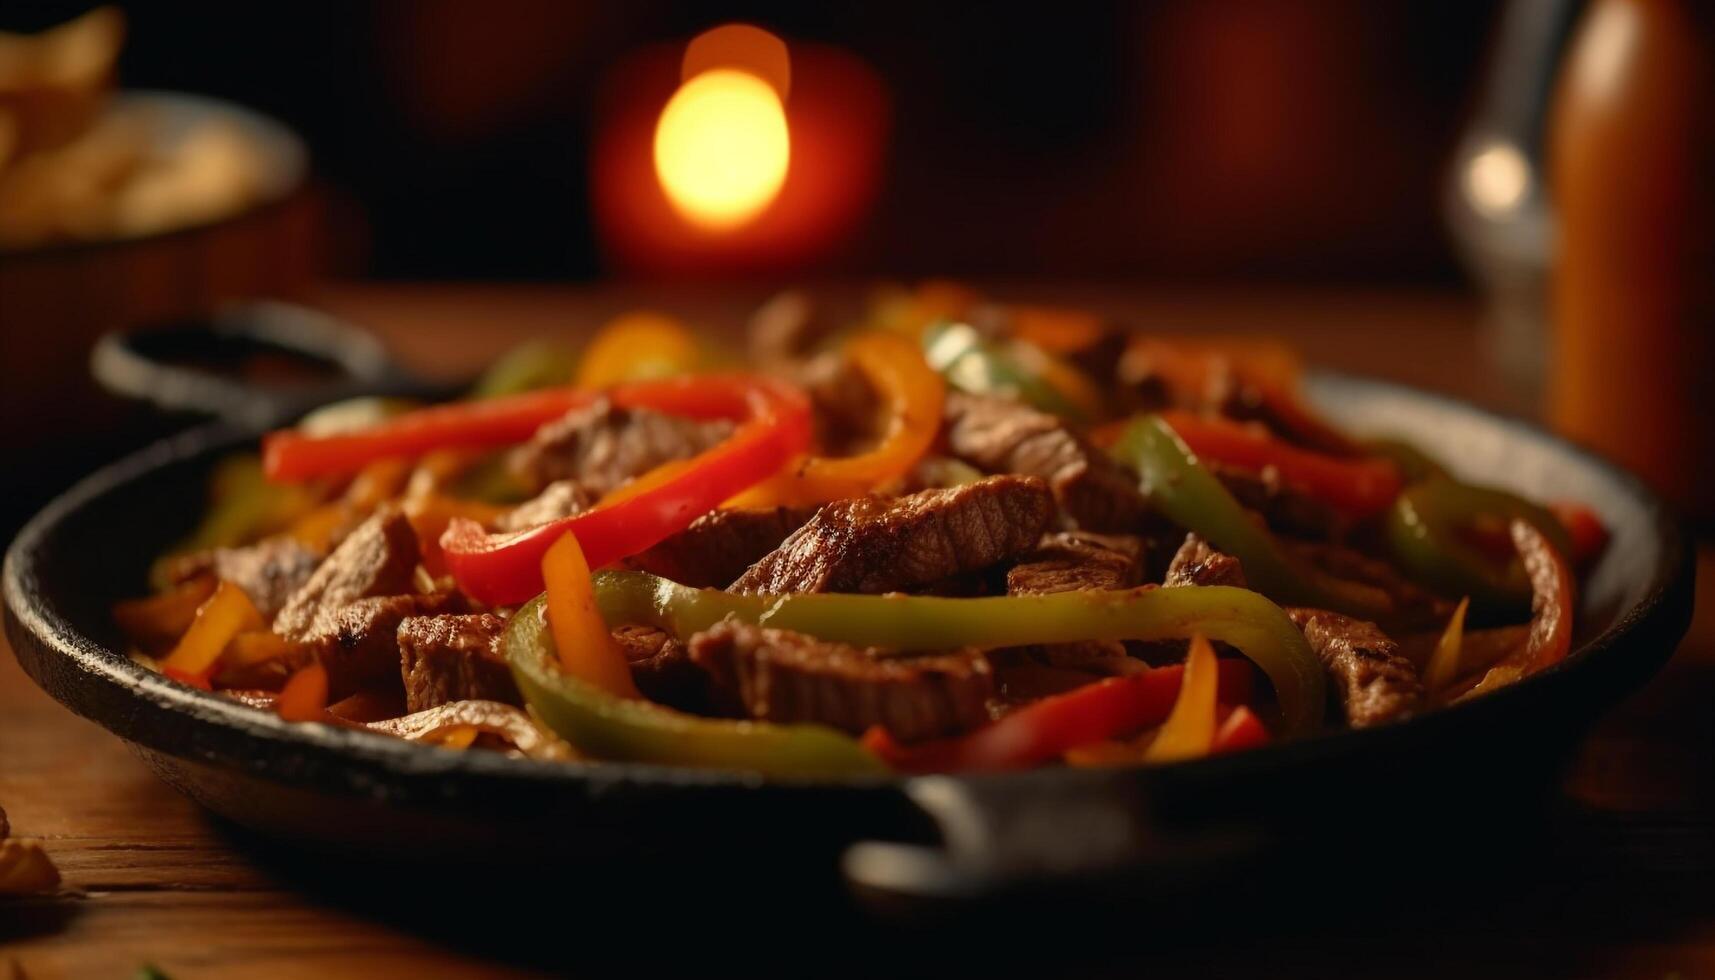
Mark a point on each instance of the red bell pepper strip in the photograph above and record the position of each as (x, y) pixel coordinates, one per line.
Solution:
(1552, 606)
(505, 569)
(1356, 487)
(290, 456)
(1242, 730)
(1043, 731)
(1588, 534)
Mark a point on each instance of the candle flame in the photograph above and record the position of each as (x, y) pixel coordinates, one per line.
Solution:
(722, 148)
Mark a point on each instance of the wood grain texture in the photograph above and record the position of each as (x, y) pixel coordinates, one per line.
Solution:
(1618, 888)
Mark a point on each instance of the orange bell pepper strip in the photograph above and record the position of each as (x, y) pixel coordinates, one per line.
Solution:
(504, 569)
(163, 618)
(637, 347)
(1045, 730)
(1056, 330)
(305, 694)
(1357, 487)
(581, 638)
(1189, 730)
(1553, 605)
(913, 394)
(226, 614)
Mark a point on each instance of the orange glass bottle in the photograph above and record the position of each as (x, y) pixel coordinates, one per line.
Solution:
(1632, 172)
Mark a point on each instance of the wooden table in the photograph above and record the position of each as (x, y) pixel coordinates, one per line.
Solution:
(153, 879)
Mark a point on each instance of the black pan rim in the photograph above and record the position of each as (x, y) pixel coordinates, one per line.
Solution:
(248, 734)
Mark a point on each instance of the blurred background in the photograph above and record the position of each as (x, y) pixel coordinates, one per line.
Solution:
(1218, 145)
(1235, 138)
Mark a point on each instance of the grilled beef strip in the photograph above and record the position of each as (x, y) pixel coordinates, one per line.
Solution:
(1198, 563)
(1067, 561)
(375, 559)
(1412, 607)
(1282, 507)
(717, 547)
(661, 668)
(1003, 436)
(877, 544)
(454, 658)
(560, 499)
(268, 571)
(1072, 561)
(601, 446)
(781, 676)
(359, 645)
(1372, 680)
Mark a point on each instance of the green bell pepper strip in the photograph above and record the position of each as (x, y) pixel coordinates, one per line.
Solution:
(1414, 464)
(611, 727)
(1183, 490)
(528, 367)
(1240, 617)
(1423, 531)
(974, 364)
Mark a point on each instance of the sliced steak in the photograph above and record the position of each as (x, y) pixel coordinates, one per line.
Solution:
(1069, 561)
(602, 446)
(780, 676)
(375, 559)
(1004, 436)
(359, 645)
(1412, 606)
(717, 547)
(454, 658)
(1198, 563)
(661, 668)
(876, 544)
(268, 571)
(1372, 680)
(1282, 507)
(560, 499)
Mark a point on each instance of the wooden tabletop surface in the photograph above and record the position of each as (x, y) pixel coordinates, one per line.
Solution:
(151, 879)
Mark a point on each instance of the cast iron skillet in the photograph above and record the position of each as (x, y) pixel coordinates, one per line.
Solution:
(902, 839)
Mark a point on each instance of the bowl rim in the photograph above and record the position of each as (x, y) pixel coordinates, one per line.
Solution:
(289, 158)
(1662, 614)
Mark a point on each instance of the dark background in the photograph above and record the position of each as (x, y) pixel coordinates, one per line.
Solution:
(1239, 139)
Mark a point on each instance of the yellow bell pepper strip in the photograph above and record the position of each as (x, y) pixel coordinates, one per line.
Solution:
(973, 363)
(1180, 488)
(605, 726)
(638, 346)
(1045, 730)
(305, 695)
(161, 619)
(1451, 537)
(1056, 330)
(226, 614)
(503, 569)
(1443, 666)
(293, 455)
(913, 395)
(1189, 730)
(527, 367)
(1553, 604)
(1359, 488)
(586, 648)
(1238, 617)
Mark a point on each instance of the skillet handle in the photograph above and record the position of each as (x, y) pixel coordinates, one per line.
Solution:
(178, 368)
(1001, 836)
